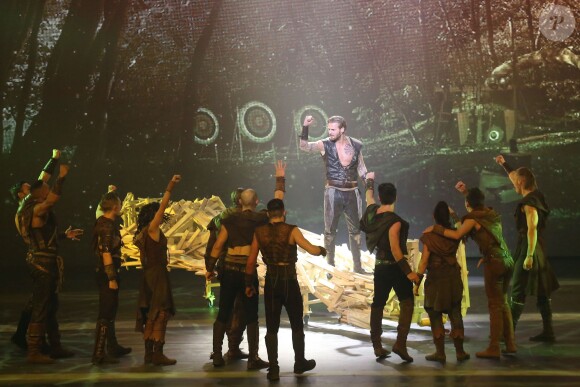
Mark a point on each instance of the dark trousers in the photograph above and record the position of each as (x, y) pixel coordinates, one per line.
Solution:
(232, 284)
(44, 300)
(280, 293)
(389, 277)
(108, 298)
(337, 202)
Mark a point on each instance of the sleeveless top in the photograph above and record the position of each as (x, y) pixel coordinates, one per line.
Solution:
(376, 228)
(152, 253)
(273, 241)
(40, 240)
(443, 250)
(334, 169)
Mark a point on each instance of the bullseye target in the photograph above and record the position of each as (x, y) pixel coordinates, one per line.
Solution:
(257, 122)
(205, 127)
(317, 130)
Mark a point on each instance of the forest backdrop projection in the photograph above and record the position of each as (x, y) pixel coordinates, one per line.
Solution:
(134, 91)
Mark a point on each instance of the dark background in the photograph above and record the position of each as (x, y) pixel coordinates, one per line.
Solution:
(116, 84)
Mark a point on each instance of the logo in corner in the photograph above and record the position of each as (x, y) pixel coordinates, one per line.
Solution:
(557, 22)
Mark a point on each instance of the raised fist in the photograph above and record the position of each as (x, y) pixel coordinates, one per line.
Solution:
(370, 175)
(461, 187)
(63, 170)
(176, 178)
(500, 160)
(308, 120)
(55, 154)
(112, 188)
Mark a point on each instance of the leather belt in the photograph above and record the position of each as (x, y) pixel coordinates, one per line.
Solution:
(342, 184)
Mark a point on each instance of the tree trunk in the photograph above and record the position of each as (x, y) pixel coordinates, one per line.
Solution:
(190, 104)
(530, 21)
(30, 69)
(489, 26)
(66, 79)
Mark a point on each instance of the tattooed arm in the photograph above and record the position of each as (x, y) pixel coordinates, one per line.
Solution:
(361, 167)
(304, 144)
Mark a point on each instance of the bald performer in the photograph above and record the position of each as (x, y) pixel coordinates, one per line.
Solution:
(236, 235)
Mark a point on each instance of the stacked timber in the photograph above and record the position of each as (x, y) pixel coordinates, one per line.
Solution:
(342, 291)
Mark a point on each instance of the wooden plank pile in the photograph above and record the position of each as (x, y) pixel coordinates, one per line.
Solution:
(186, 231)
(342, 291)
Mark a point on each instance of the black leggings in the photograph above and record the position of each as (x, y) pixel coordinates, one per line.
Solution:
(389, 277)
(232, 284)
(108, 298)
(280, 292)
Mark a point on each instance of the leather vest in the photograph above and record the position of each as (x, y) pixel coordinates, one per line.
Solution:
(40, 240)
(152, 253)
(334, 169)
(107, 239)
(273, 241)
(384, 246)
(241, 227)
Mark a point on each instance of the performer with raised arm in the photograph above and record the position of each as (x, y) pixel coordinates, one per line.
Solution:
(387, 233)
(18, 192)
(39, 230)
(236, 324)
(156, 305)
(533, 274)
(483, 224)
(344, 163)
(107, 248)
(277, 241)
(236, 234)
(443, 286)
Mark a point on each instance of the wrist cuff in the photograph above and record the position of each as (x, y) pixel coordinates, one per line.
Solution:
(50, 165)
(249, 279)
(370, 184)
(304, 134)
(210, 263)
(404, 265)
(508, 168)
(322, 251)
(280, 183)
(111, 272)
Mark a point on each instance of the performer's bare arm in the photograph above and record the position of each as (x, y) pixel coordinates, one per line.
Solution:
(46, 173)
(532, 222)
(512, 174)
(465, 228)
(220, 242)
(424, 260)
(370, 192)
(361, 167)
(253, 257)
(53, 196)
(280, 179)
(296, 237)
(306, 146)
(158, 219)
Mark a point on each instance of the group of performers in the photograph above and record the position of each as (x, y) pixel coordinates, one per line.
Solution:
(240, 232)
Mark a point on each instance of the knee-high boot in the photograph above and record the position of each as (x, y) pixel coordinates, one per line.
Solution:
(508, 330)
(377, 331)
(517, 309)
(100, 356)
(547, 334)
(272, 348)
(235, 331)
(438, 338)
(35, 336)
(301, 365)
(159, 330)
(219, 330)
(53, 333)
(19, 337)
(254, 361)
(496, 331)
(405, 317)
(113, 347)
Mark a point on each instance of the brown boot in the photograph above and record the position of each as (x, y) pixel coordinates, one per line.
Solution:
(376, 333)
(159, 358)
(405, 317)
(235, 331)
(148, 358)
(496, 330)
(439, 354)
(254, 361)
(508, 331)
(35, 335)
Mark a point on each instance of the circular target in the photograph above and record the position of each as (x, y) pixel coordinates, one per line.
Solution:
(495, 134)
(257, 122)
(205, 127)
(317, 130)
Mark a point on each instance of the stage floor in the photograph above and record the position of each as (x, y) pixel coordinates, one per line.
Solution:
(343, 353)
